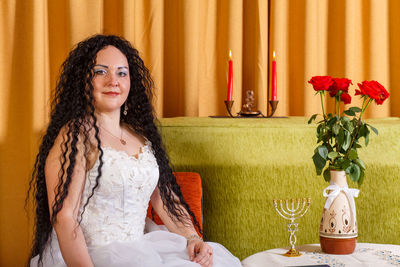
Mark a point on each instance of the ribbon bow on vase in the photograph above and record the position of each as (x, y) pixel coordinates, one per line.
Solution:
(351, 193)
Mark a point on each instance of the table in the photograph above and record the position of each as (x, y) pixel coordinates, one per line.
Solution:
(365, 254)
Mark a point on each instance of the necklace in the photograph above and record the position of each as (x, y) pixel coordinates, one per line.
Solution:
(123, 142)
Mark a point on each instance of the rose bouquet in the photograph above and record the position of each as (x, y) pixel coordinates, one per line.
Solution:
(338, 135)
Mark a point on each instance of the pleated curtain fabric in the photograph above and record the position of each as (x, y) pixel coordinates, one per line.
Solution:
(185, 44)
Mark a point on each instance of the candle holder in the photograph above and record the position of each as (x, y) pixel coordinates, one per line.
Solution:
(241, 114)
(228, 105)
(249, 114)
(274, 105)
(291, 212)
(248, 108)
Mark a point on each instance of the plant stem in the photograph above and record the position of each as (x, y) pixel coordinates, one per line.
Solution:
(358, 124)
(364, 108)
(322, 93)
(335, 104)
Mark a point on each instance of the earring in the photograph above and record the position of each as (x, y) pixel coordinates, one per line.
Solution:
(125, 109)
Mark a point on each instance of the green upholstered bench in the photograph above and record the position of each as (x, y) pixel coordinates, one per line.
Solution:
(246, 163)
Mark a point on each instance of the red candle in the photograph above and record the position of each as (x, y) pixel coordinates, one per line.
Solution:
(230, 78)
(273, 83)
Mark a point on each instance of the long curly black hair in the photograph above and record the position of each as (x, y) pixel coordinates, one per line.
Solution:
(72, 108)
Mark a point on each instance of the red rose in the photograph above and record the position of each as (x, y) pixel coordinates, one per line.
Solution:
(321, 83)
(346, 98)
(339, 84)
(373, 90)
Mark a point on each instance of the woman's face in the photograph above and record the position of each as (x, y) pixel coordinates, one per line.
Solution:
(111, 81)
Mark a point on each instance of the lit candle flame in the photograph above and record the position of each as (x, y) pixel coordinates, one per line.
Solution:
(273, 54)
(230, 54)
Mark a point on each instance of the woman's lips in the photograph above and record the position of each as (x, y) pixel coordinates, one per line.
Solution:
(111, 93)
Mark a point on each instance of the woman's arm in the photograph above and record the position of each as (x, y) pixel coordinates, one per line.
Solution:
(185, 228)
(69, 234)
(198, 250)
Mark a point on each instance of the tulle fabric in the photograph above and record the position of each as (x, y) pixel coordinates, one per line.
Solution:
(158, 248)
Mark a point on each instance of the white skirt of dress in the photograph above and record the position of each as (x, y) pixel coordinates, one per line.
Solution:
(158, 248)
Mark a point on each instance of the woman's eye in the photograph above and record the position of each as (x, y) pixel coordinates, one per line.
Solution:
(122, 73)
(100, 72)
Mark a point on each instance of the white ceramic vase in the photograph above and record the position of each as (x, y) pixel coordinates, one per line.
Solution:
(338, 229)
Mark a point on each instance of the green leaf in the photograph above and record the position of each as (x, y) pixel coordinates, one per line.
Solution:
(349, 126)
(355, 109)
(345, 164)
(360, 163)
(341, 137)
(332, 155)
(349, 112)
(327, 175)
(336, 129)
(347, 141)
(320, 129)
(354, 172)
(331, 122)
(340, 160)
(345, 119)
(361, 178)
(373, 129)
(323, 151)
(320, 138)
(353, 154)
(367, 138)
(312, 118)
(361, 132)
(319, 163)
(356, 145)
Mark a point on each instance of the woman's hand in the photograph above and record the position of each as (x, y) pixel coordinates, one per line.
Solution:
(200, 252)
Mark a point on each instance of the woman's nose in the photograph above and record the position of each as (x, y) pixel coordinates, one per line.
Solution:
(113, 80)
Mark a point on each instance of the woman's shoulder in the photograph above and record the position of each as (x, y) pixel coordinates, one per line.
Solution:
(68, 135)
(82, 142)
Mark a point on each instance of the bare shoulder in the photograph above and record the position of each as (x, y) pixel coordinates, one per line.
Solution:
(63, 142)
(58, 157)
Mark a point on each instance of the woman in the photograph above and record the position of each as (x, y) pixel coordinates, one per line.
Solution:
(100, 162)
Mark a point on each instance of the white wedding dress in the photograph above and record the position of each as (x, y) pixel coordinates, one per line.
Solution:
(113, 222)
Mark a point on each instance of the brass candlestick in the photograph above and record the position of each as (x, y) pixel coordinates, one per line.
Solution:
(228, 105)
(274, 105)
(248, 111)
(290, 212)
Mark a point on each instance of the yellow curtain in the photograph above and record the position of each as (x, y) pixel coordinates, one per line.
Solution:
(185, 45)
(357, 39)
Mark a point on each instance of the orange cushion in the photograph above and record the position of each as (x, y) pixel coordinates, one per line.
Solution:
(190, 184)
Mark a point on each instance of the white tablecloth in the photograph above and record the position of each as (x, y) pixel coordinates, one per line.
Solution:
(365, 254)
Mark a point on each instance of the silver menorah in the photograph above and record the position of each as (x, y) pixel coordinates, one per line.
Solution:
(291, 211)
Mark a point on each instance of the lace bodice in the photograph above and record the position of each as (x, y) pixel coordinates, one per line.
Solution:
(117, 210)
